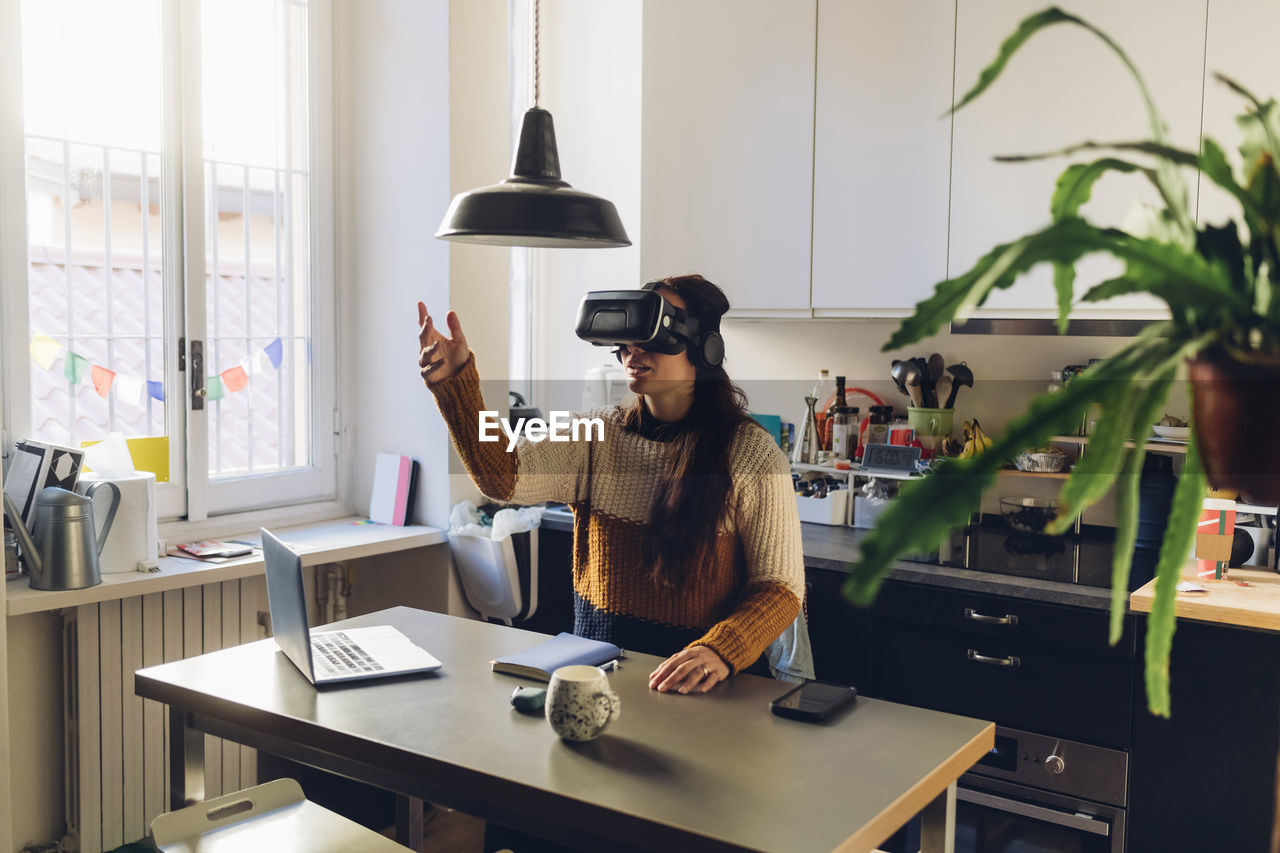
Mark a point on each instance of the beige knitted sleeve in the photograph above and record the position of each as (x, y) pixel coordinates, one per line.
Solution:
(530, 473)
(768, 527)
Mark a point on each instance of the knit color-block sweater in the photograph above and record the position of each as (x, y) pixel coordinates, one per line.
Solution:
(742, 602)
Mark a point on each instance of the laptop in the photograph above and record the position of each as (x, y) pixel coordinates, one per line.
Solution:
(329, 657)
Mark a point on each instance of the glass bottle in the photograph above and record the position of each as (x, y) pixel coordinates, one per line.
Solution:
(837, 402)
(844, 431)
(823, 390)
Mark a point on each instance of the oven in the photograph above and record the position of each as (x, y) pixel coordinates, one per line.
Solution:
(1038, 794)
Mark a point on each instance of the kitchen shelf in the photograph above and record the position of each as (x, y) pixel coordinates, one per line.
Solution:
(1043, 475)
(1151, 445)
(825, 469)
(856, 470)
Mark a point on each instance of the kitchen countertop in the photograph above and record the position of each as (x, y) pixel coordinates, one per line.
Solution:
(1225, 601)
(833, 548)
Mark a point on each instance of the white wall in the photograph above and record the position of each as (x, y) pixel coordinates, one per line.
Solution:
(392, 156)
(591, 85)
(480, 134)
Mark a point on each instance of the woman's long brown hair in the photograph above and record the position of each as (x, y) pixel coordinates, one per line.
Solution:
(696, 489)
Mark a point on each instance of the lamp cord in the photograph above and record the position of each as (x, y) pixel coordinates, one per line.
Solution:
(537, 51)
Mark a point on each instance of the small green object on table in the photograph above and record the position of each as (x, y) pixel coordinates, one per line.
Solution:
(528, 699)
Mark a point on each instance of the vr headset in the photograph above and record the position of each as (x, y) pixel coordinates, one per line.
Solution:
(642, 318)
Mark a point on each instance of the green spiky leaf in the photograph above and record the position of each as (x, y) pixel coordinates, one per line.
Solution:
(1188, 497)
(1145, 412)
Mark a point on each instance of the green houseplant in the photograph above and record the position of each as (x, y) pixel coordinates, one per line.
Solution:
(1222, 287)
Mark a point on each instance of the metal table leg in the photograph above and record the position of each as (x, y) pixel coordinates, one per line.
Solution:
(186, 761)
(938, 823)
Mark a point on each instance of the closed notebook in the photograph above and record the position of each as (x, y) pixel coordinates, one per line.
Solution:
(564, 649)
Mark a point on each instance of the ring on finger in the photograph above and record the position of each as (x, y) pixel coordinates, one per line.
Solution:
(706, 673)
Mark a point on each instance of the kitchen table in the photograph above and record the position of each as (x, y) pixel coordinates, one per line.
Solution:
(711, 772)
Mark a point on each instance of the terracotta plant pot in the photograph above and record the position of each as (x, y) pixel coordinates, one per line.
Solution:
(1236, 409)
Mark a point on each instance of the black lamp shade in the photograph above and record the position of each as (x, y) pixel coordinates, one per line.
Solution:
(534, 207)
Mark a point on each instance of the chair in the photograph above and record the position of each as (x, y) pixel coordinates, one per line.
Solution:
(273, 816)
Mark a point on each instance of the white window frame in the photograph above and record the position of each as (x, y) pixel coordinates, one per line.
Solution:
(192, 495)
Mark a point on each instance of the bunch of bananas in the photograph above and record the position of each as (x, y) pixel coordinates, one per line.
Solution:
(975, 440)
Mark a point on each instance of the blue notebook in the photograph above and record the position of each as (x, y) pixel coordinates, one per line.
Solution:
(564, 649)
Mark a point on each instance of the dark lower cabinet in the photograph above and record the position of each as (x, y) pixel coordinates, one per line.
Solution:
(841, 635)
(1018, 684)
(1205, 778)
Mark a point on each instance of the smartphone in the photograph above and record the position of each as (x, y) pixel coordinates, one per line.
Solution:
(813, 701)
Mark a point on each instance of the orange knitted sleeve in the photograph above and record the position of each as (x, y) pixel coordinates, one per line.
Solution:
(768, 527)
(530, 473)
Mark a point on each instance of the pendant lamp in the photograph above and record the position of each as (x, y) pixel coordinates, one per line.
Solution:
(534, 206)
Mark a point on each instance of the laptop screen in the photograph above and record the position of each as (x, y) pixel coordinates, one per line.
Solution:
(287, 601)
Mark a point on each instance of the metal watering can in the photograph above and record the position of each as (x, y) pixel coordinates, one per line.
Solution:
(61, 551)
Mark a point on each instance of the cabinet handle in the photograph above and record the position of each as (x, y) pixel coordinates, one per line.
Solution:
(990, 661)
(1007, 619)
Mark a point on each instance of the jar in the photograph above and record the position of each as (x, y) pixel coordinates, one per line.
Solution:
(844, 431)
(875, 429)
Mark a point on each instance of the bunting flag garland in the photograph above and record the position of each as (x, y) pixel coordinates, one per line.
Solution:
(44, 350)
(75, 368)
(102, 379)
(234, 379)
(254, 364)
(130, 389)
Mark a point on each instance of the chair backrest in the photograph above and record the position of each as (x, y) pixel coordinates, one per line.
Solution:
(273, 816)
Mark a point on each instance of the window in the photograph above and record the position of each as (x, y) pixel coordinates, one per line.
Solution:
(179, 241)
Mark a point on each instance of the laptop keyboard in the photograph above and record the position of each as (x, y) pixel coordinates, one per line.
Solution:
(335, 654)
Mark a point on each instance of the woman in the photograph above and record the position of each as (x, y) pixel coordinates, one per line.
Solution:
(685, 527)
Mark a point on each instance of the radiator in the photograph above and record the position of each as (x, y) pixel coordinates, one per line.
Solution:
(116, 744)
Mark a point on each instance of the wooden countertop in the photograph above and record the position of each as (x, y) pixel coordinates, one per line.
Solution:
(1249, 598)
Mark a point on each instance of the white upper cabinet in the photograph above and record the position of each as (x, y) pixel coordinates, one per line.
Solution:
(727, 148)
(1241, 44)
(1062, 88)
(881, 154)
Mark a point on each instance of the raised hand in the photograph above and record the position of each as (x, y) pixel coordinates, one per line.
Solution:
(439, 357)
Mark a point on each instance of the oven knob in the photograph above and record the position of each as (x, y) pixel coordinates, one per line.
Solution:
(1054, 765)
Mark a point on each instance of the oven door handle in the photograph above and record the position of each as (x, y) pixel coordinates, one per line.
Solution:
(1081, 822)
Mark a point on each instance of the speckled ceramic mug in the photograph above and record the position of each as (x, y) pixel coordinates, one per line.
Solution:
(580, 704)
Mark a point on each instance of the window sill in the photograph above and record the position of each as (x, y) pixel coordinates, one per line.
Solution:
(329, 542)
(227, 526)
